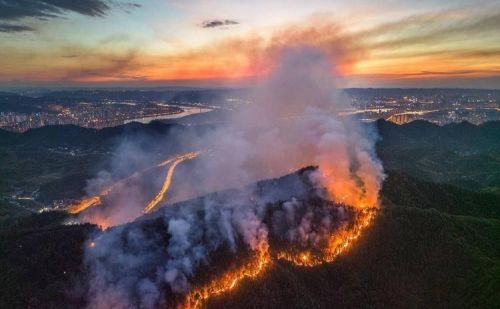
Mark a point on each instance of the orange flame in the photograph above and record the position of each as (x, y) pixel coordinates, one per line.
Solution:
(228, 281)
(338, 243)
(344, 188)
(84, 204)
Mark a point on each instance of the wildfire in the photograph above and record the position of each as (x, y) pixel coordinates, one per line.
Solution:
(228, 281)
(84, 204)
(338, 243)
(168, 179)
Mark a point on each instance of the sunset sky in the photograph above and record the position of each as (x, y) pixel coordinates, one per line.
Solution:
(426, 43)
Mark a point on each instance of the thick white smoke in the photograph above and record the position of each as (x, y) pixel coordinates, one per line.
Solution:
(291, 124)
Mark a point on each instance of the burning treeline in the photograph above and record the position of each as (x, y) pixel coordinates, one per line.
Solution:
(183, 254)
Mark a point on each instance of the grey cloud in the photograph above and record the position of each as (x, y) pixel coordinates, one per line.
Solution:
(214, 23)
(102, 64)
(14, 10)
(431, 29)
(14, 28)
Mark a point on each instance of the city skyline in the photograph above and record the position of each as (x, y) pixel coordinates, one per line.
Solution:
(219, 43)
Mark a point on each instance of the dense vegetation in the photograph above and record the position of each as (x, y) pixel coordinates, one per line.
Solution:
(461, 154)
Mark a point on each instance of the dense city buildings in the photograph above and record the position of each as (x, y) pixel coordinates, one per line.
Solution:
(99, 109)
(89, 115)
(26, 110)
(440, 106)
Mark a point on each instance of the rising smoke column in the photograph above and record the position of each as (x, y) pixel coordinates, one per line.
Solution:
(292, 124)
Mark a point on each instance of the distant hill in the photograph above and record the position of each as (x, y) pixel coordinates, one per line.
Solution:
(455, 136)
(71, 135)
(460, 154)
(11, 102)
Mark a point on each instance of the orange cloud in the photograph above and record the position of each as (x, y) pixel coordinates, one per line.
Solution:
(440, 45)
(255, 54)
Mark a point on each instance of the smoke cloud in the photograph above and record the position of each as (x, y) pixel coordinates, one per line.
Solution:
(291, 123)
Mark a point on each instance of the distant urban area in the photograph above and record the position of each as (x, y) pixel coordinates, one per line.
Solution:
(439, 106)
(28, 109)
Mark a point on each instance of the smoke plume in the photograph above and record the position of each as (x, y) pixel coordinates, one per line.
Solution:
(291, 123)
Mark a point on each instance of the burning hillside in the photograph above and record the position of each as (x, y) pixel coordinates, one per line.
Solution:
(184, 254)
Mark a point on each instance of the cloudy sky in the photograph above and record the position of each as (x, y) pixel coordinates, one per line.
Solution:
(426, 43)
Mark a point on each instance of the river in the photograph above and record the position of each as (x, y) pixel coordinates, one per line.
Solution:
(186, 111)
